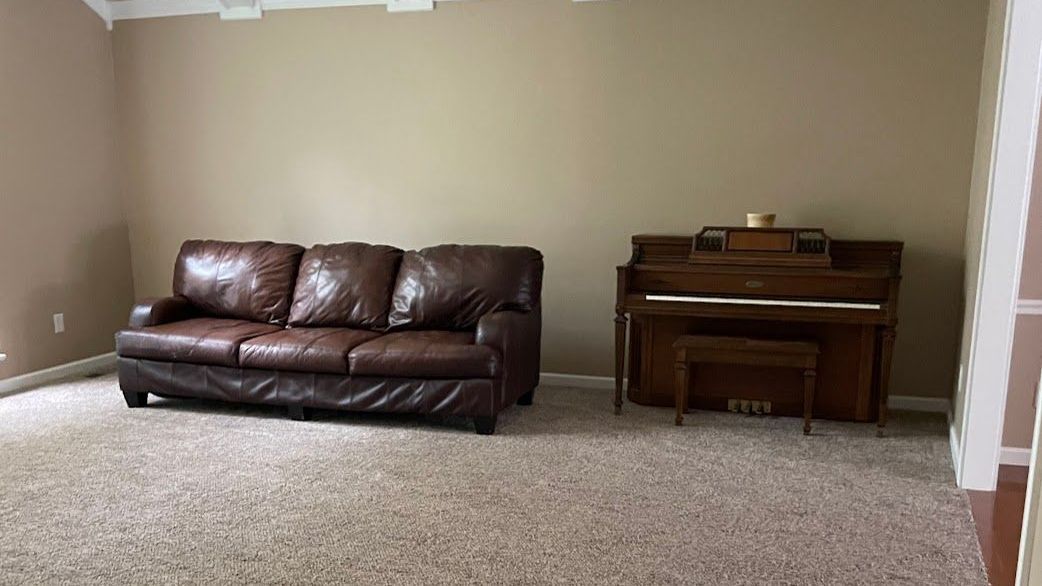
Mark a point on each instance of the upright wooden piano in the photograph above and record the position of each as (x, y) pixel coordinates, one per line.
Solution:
(761, 283)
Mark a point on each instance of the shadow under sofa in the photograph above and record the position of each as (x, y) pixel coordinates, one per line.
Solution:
(447, 330)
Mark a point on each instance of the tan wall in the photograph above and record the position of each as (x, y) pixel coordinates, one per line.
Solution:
(989, 92)
(567, 126)
(63, 241)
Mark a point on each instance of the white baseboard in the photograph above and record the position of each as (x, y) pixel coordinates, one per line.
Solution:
(921, 404)
(1015, 456)
(582, 381)
(953, 443)
(578, 381)
(70, 369)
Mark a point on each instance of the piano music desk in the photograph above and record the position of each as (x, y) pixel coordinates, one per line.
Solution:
(691, 350)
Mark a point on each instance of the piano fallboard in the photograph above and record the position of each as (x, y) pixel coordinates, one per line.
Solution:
(754, 282)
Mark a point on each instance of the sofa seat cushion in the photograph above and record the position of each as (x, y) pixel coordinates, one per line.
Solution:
(303, 349)
(210, 341)
(425, 354)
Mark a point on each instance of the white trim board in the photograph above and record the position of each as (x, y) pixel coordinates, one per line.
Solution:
(581, 381)
(83, 367)
(1029, 306)
(1015, 456)
(1002, 246)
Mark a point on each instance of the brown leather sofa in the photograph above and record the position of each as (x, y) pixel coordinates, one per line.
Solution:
(451, 329)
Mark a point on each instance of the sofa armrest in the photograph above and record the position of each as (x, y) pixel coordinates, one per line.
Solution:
(498, 329)
(516, 335)
(154, 312)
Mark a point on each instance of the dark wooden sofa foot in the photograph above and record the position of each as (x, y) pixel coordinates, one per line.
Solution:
(526, 399)
(135, 399)
(485, 425)
(299, 413)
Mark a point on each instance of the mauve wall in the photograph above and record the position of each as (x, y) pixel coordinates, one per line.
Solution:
(1027, 339)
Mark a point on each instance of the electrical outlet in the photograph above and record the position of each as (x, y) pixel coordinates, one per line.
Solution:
(59, 323)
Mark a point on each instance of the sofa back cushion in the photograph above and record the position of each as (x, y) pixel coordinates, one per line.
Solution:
(345, 285)
(452, 286)
(243, 280)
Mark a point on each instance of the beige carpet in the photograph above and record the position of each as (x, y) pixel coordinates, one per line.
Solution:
(193, 492)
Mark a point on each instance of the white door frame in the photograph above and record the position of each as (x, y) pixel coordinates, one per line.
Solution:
(1002, 247)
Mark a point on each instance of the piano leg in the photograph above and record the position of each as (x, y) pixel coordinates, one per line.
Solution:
(810, 378)
(889, 335)
(681, 386)
(620, 357)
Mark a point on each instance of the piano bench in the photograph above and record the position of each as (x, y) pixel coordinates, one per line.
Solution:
(802, 354)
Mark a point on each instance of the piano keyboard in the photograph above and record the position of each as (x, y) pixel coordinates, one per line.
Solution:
(769, 302)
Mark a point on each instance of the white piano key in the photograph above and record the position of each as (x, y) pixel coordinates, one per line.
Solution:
(761, 301)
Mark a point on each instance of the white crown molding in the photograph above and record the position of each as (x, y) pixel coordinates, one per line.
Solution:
(111, 11)
(137, 9)
(103, 8)
(134, 9)
(240, 9)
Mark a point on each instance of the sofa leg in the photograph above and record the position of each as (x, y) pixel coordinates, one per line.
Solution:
(526, 399)
(485, 425)
(299, 413)
(135, 399)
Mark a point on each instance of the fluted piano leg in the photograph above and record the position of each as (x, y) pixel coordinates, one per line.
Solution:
(620, 356)
(889, 335)
(810, 378)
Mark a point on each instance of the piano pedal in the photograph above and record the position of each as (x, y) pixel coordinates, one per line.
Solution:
(749, 407)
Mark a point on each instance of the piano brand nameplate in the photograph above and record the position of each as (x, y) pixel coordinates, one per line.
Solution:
(807, 247)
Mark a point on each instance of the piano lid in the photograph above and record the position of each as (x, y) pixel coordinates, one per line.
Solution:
(783, 247)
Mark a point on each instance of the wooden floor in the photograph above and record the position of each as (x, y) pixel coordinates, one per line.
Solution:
(998, 516)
